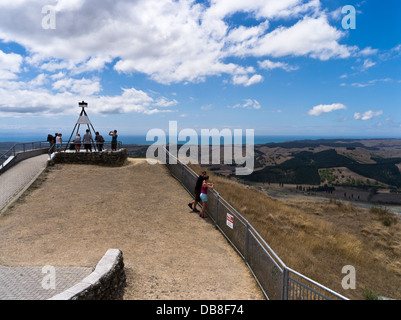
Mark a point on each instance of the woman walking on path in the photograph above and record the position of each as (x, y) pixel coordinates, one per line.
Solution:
(205, 185)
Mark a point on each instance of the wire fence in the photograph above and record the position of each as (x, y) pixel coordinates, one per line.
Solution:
(276, 280)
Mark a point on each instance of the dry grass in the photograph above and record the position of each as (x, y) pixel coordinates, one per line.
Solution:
(318, 238)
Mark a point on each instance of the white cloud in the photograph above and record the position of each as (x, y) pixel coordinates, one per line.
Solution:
(370, 83)
(85, 87)
(367, 115)
(325, 108)
(312, 37)
(270, 65)
(10, 65)
(248, 104)
(170, 41)
(246, 81)
(164, 102)
(367, 63)
(368, 51)
(19, 98)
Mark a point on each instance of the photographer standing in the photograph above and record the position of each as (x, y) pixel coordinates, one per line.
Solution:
(114, 136)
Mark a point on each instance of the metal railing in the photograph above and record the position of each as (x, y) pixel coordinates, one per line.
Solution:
(37, 145)
(22, 147)
(276, 280)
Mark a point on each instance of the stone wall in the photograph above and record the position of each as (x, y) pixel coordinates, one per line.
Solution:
(104, 158)
(106, 282)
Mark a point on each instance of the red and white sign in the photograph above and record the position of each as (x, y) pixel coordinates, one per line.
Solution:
(230, 220)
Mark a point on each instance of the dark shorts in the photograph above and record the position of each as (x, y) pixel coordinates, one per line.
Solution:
(197, 195)
(88, 146)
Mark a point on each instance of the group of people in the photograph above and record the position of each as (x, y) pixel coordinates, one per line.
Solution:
(55, 141)
(87, 140)
(201, 187)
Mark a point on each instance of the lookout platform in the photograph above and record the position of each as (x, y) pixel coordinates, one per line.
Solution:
(74, 213)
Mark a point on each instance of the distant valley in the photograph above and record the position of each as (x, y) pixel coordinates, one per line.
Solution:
(360, 170)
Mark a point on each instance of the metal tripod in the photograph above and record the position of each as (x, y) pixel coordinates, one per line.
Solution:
(83, 119)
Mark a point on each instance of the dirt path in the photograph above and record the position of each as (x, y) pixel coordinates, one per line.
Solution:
(74, 213)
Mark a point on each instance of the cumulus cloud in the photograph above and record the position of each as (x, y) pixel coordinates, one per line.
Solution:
(246, 81)
(19, 98)
(270, 65)
(326, 108)
(170, 41)
(10, 65)
(85, 87)
(367, 115)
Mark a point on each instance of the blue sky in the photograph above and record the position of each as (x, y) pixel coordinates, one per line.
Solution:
(280, 67)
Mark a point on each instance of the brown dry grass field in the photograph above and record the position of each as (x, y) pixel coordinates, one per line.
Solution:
(318, 238)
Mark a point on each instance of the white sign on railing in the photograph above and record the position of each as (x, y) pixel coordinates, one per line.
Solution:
(230, 220)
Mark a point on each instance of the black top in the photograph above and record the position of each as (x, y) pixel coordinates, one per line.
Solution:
(199, 182)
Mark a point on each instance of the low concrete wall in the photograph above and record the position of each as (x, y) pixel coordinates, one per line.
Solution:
(106, 282)
(104, 158)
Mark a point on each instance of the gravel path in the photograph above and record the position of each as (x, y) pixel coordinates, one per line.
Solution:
(74, 213)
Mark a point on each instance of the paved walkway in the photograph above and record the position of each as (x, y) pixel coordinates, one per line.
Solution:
(15, 180)
(38, 283)
(31, 283)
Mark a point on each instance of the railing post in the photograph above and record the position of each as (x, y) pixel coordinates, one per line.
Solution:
(182, 173)
(246, 242)
(284, 285)
(217, 209)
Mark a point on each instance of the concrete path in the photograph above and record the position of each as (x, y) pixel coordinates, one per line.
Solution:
(15, 180)
(38, 283)
(31, 283)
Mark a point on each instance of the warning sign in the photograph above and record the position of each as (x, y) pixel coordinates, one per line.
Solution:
(230, 220)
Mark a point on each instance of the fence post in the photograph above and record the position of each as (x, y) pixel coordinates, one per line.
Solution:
(182, 172)
(217, 209)
(246, 242)
(284, 285)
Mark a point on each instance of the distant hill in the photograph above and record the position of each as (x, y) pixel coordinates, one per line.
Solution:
(338, 143)
(303, 168)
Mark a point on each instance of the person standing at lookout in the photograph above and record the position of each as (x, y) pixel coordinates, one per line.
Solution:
(78, 142)
(99, 141)
(205, 186)
(114, 136)
(59, 142)
(198, 187)
(87, 139)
